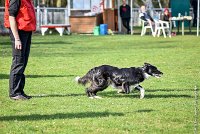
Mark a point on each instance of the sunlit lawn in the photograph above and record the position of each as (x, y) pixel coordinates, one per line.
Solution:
(59, 105)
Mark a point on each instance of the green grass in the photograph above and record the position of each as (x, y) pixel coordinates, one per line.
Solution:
(60, 105)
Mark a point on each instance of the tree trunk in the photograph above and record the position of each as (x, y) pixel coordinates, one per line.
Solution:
(59, 3)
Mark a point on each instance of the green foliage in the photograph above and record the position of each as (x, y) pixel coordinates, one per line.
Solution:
(59, 105)
(164, 3)
(2, 3)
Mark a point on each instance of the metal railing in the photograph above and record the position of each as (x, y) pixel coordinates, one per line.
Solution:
(50, 15)
(46, 15)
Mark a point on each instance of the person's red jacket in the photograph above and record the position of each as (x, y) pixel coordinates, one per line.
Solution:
(25, 18)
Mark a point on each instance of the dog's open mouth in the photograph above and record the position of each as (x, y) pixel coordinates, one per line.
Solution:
(157, 75)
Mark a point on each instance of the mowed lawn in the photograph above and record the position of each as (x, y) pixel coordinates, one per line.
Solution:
(59, 105)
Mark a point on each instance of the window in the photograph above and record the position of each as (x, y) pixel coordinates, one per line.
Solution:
(81, 4)
(108, 4)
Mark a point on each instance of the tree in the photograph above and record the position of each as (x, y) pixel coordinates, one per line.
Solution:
(2, 3)
(59, 3)
(164, 3)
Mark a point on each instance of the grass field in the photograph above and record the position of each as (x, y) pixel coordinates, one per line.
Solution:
(59, 105)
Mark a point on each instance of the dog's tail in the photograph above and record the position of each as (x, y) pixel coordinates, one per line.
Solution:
(82, 80)
(88, 77)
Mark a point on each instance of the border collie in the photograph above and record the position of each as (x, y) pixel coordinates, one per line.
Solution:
(123, 79)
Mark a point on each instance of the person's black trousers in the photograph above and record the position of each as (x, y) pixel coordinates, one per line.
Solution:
(125, 22)
(19, 62)
(195, 19)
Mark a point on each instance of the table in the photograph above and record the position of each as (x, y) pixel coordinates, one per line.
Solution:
(182, 20)
(59, 27)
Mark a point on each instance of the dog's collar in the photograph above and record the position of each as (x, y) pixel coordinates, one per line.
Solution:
(145, 75)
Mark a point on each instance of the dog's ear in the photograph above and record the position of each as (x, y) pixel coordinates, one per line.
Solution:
(147, 64)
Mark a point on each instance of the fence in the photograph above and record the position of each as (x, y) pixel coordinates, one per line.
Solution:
(46, 16)
(61, 15)
(51, 16)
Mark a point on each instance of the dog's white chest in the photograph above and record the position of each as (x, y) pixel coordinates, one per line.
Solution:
(146, 76)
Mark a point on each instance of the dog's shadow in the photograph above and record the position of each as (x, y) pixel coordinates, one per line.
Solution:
(166, 93)
(58, 95)
(148, 94)
(6, 76)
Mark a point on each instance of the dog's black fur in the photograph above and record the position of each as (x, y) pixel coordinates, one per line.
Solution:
(121, 78)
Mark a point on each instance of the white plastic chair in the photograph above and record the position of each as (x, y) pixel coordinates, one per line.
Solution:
(144, 28)
(162, 26)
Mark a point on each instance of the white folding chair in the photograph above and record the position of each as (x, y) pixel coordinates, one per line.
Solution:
(162, 26)
(145, 27)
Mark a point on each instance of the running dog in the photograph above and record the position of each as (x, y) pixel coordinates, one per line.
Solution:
(123, 79)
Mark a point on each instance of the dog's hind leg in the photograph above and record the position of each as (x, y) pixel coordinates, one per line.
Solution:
(89, 93)
(93, 89)
(141, 91)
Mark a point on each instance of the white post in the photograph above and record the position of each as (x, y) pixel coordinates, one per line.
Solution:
(119, 18)
(45, 16)
(131, 16)
(66, 16)
(69, 7)
(67, 12)
(198, 18)
(38, 17)
(160, 4)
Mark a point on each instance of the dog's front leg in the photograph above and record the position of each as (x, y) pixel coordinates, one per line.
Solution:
(126, 87)
(141, 91)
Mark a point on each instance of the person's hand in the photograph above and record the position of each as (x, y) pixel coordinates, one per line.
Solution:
(18, 44)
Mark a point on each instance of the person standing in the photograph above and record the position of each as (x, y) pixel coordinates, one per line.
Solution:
(194, 4)
(125, 14)
(20, 19)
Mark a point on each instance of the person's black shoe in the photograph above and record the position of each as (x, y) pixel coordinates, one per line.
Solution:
(18, 97)
(27, 96)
